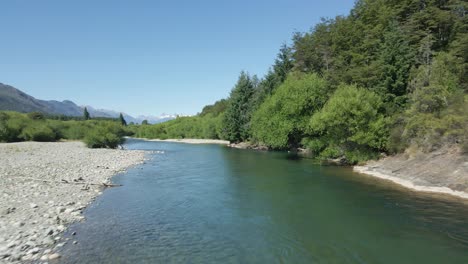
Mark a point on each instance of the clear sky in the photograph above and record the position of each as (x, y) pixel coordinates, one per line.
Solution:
(146, 57)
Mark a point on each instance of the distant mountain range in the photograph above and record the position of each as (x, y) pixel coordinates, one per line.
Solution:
(15, 100)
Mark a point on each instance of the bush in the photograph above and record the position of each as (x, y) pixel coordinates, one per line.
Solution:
(103, 137)
(11, 128)
(38, 132)
(36, 116)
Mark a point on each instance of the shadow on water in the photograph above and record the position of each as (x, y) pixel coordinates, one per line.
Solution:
(211, 204)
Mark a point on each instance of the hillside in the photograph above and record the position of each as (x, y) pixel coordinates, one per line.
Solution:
(13, 99)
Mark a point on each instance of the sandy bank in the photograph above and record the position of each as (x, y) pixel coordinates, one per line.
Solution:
(444, 171)
(192, 141)
(44, 187)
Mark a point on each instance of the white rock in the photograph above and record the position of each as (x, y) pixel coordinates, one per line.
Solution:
(34, 251)
(54, 256)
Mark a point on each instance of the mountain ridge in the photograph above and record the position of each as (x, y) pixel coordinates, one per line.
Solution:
(13, 99)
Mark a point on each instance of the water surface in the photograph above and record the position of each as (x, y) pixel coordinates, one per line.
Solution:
(212, 204)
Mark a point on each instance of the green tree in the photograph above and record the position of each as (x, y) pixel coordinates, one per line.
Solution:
(281, 121)
(238, 112)
(395, 61)
(144, 122)
(122, 120)
(350, 124)
(86, 114)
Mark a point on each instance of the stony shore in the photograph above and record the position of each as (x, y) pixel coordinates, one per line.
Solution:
(44, 187)
(444, 171)
(191, 141)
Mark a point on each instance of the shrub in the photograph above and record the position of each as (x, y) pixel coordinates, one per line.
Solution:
(38, 132)
(36, 116)
(103, 137)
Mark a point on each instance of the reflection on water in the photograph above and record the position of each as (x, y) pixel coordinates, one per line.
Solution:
(211, 204)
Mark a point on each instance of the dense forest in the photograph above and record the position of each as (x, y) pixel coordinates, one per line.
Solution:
(389, 76)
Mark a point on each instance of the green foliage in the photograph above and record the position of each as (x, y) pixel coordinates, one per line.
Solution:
(281, 120)
(107, 135)
(238, 112)
(215, 109)
(36, 116)
(395, 60)
(437, 113)
(349, 124)
(26, 127)
(409, 58)
(207, 127)
(38, 132)
(122, 120)
(86, 115)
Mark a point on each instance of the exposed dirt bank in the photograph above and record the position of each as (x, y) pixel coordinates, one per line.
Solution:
(44, 187)
(442, 171)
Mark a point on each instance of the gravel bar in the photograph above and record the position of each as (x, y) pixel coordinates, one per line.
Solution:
(44, 187)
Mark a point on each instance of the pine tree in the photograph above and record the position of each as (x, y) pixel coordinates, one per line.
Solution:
(395, 59)
(86, 114)
(238, 113)
(122, 120)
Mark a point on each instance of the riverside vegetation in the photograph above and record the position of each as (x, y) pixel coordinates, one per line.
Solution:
(35, 126)
(390, 76)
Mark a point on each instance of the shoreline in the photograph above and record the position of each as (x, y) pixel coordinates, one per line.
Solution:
(44, 187)
(409, 184)
(188, 141)
(444, 171)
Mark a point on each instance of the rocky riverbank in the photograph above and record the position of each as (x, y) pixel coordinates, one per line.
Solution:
(44, 187)
(191, 141)
(442, 171)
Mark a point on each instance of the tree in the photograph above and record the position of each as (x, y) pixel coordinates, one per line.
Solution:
(86, 114)
(122, 120)
(281, 121)
(395, 60)
(349, 124)
(238, 112)
(144, 122)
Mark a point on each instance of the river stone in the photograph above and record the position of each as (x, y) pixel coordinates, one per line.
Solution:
(54, 256)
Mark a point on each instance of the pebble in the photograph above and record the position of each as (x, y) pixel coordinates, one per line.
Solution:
(35, 215)
(18, 224)
(34, 251)
(54, 256)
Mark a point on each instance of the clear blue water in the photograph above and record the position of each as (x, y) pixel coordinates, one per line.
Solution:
(212, 204)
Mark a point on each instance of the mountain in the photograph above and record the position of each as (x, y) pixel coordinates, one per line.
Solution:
(13, 99)
(16, 100)
(158, 119)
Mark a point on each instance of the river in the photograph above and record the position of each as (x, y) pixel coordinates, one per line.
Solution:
(213, 204)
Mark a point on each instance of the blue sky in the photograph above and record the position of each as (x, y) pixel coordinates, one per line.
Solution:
(146, 57)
